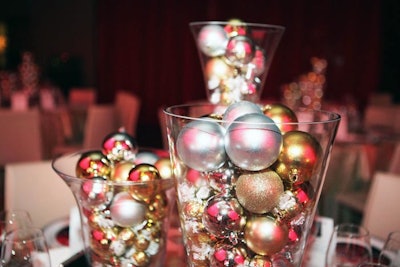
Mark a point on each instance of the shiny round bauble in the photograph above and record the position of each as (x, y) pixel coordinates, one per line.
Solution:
(222, 215)
(95, 192)
(101, 239)
(265, 235)
(225, 255)
(200, 145)
(127, 236)
(146, 157)
(240, 50)
(257, 65)
(300, 157)
(164, 167)
(239, 109)
(140, 259)
(146, 176)
(93, 164)
(259, 192)
(235, 27)
(158, 207)
(288, 206)
(120, 146)
(222, 179)
(283, 116)
(253, 142)
(120, 171)
(141, 242)
(260, 261)
(215, 70)
(212, 40)
(126, 211)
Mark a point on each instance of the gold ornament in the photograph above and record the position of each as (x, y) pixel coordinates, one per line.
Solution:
(193, 209)
(158, 207)
(260, 261)
(141, 243)
(120, 171)
(146, 176)
(93, 164)
(164, 167)
(259, 192)
(141, 258)
(300, 157)
(283, 116)
(127, 235)
(265, 235)
(101, 239)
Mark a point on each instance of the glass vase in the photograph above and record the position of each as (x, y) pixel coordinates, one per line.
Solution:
(123, 222)
(235, 57)
(247, 185)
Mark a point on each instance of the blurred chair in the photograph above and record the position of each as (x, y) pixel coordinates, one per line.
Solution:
(20, 136)
(394, 164)
(380, 117)
(34, 186)
(101, 120)
(381, 213)
(128, 108)
(82, 96)
(381, 99)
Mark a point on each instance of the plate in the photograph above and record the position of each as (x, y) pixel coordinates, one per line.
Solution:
(56, 233)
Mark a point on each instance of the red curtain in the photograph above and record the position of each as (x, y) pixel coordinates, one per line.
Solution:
(146, 47)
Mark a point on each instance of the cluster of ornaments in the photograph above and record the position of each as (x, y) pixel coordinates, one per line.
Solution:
(124, 201)
(247, 192)
(233, 62)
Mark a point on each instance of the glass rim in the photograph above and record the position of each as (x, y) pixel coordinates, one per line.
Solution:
(349, 228)
(165, 183)
(332, 117)
(251, 24)
(24, 234)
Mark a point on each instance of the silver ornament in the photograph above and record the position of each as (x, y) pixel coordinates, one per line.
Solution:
(200, 145)
(240, 50)
(239, 109)
(253, 142)
(212, 40)
(126, 211)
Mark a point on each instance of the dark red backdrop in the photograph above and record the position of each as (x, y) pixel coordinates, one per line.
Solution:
(146, 47)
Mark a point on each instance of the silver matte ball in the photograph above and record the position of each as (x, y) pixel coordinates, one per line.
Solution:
(253, 142)
(200, 145)
(126, 211)
(239, 109)
(212, 40)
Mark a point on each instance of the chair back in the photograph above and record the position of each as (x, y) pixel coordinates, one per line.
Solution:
(381, 214)
(34, 186)
(20, 136)
(394, 164)
(128, 108)
(82, 96)
(101, 120)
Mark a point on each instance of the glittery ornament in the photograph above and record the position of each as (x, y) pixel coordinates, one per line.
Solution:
(300, 157)
(284, 117)
(212, 40)
(260, 261)
(93, 164)
(95, 192)
(120, 146)
(253, 142)
(259, 192)
(120, 171)
(239, 109)
(146, 175)
(200, 145)
(225, 255)
(126, 211)
(265, 235)
(240, 50)
(222, 215)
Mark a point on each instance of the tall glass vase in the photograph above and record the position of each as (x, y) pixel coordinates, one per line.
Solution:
(235, 57)
(249, 178)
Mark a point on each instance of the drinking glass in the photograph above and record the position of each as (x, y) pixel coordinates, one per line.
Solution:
(390, 253)
(13, 219)
(25, 247)
(349, 246)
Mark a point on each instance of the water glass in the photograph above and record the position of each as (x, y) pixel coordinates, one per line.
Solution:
(372, 264)
(390, 253)
(349, 246)
(13, 219)
(25, 247)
